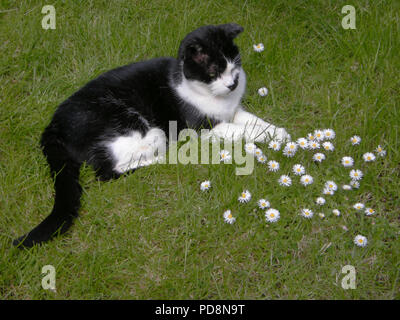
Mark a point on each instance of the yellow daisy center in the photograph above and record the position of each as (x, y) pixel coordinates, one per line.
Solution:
(272, 215)
(285, 180)
(360, 240)
(243, 195)
(291, 146)
(230, 216)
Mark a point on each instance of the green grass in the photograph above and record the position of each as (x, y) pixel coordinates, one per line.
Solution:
(153, 235)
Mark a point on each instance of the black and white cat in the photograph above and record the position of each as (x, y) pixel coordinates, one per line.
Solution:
(117, 121)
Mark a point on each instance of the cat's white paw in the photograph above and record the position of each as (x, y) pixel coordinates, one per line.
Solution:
(282, 135)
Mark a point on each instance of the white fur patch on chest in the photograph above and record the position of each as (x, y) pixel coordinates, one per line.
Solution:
(200, 95)
(134, 150)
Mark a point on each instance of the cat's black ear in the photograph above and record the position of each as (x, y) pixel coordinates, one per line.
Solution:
(232, 30)
(196, 53)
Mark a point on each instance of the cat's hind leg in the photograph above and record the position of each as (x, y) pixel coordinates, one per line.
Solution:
(135, 150)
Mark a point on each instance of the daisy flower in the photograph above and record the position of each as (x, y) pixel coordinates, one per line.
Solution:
(328, 146)
(379, 150)
(303, 143)
(360, 240)
(359, 206)
(272, 215)
(263, 204)
(261, 158)
(369, 211)
(368, 157)
(329, 134)
(306, 180)
(307, 213)
(328, 192)
(356, 174)
(346, 187)
(263, 91)
(318, 157)
(336, 212)
(274, 145)
(288, 151)
(291, 146)
(310, 136)
(331, 185)
(355, 184)
(321, 215)
(205, 185)
(355, 140)
(245, 196)
(258, 152)
(273, 165)
(225, 155)
(258, 47)
(285, 181)
(250, 147)
(298, 170)
(228, 217)
(347, 161)
(319, 135)
(313, 145)
(320, 201)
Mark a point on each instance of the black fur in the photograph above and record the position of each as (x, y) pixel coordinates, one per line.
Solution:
(137, 96)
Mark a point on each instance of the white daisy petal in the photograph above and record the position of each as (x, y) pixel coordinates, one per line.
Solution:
(369, 211)
(272, 215)
(355, 140)
(359, 206)
(368, 157)
(347, 161)
(245, 196)
(306, 180)
(379, 150)
(273, 165)
(320, 201)
(307, 213)
(356, 174)
(319, 157)
(263, 204)
(205, 185)
(298, 170)
(302, 143)
(328, 146)
(360, 241)
(262, 91)
(258, 47)
(285, 181)
(228, 217)
(274, 145)
(329, 134)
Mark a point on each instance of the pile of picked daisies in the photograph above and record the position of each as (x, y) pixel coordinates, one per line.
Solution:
(320, 142)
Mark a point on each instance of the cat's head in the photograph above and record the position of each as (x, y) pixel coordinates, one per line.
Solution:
(209, 55)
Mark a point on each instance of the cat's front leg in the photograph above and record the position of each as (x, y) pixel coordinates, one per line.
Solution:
(257, 129)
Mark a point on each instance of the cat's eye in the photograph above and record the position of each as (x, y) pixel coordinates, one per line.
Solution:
(212, 74)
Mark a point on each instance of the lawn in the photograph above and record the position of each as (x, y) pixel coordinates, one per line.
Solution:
(154, 234)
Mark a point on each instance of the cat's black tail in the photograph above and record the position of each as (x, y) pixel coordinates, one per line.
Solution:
(65, 171)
